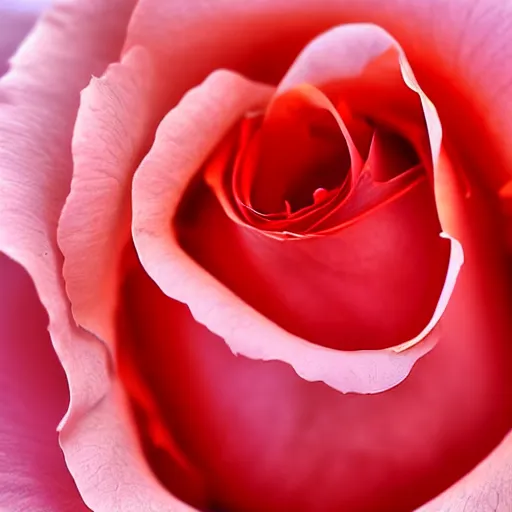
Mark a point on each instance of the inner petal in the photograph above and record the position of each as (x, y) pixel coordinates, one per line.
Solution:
(390, 155)
(367, 266)
(299, 150)
(373, 284)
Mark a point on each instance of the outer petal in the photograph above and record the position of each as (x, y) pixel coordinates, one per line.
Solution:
(33, 398)
(113, 128)
(34, 391)
(40, 99)
(461, 44)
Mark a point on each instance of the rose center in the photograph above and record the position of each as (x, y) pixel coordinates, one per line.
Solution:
(301, 155)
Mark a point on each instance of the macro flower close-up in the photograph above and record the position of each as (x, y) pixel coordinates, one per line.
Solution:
(256, 256)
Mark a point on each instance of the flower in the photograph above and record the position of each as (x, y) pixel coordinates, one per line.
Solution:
(283, 285)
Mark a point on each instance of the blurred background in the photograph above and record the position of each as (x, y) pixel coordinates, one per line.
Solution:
(16, 19)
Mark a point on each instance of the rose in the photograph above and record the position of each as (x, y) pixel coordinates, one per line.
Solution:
(77, 435)
(98, 435)
(120, 472)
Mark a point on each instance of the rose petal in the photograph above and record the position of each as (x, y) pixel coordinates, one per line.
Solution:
(359, 65)
(114, 125)
(268, 440)
(289, 159)
(34, 397)
(390, 155)
(472, 83)
(442, 173)
(40, 99)
(370, 285)
(183, 141)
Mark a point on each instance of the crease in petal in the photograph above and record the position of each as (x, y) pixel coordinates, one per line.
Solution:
(389, 156)
(505, 199)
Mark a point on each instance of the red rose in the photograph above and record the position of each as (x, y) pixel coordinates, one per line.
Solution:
(271, 240)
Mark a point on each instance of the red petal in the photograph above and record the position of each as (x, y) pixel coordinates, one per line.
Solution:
(370, 285)
(302, 144)
(184, 139)
(267, 440)
(390, 155)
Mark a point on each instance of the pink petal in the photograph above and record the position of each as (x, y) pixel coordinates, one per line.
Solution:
(34, 392)
(113, 129)
(370, 285)
(34, 397)
(456, 47)
(114, 126)
(267, 440)
(111, 470)
(336, 69)
(40, 101)
(358, 65)
(184, 140)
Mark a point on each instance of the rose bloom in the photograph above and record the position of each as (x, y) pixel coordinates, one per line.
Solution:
(256, 256)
